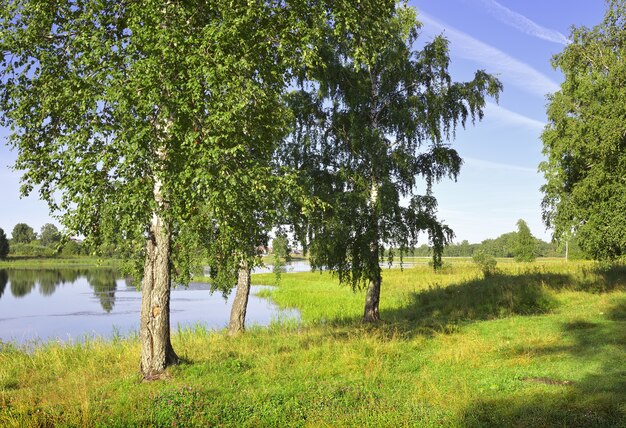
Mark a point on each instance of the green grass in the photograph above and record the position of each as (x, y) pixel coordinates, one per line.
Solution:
(537, 345)
(26, 262)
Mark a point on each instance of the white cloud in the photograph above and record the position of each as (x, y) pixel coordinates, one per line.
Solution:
(508, 117)
(497, 62)
(523, 24)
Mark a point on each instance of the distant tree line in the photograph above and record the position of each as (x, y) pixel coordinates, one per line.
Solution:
(51, 242)
(505, 246)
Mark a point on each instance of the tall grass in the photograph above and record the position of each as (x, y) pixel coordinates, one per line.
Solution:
(536, 345)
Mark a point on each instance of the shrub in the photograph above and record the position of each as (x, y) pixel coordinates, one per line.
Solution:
(486, 262)
(71, 248)
(31, 250)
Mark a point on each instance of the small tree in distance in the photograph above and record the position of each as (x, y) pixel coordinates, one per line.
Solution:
(280, 251)
(524, 243)
(486, 262)
(23, 234)
(50, 235)
(4, 245)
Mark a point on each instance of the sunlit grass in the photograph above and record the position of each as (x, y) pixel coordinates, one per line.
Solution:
(537, 345)
(24, 262)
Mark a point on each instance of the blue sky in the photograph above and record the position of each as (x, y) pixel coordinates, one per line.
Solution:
(515, 40)
(499, 183)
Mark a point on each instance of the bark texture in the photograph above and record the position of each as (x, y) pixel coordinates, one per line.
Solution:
(156, 348)
(372, 299)
(238, 310)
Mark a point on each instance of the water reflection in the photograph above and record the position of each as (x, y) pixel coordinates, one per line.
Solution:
(4, 279)
(22, 285)
(104, 285)
(76, 303)
(24, 281)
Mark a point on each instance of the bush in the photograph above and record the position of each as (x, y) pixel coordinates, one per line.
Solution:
(486, 262)
(31, 250)
(71, 248)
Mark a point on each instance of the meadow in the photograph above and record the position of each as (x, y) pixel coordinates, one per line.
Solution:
(540, 344)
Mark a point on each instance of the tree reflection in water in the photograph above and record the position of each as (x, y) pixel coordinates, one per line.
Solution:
(4, 279)
(21, 285)
(104, 285)
(23, 281)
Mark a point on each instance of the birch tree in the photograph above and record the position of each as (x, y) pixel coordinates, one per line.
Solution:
(585, 140)
(372, 133)
(129, 116)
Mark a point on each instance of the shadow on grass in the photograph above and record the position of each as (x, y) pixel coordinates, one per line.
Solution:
(441, 308)
(596, 400)
(445, 309)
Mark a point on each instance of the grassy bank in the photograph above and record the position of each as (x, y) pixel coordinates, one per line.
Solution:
(537, 345)
(25, 262)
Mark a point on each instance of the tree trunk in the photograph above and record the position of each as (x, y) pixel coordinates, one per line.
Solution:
(372, 297)
(238, 311)
(156, 348)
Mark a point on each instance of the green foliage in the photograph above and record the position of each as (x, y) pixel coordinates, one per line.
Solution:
(574, 252)
(109, 99)
(502, 246)
(73, 248)
(486, 262)
(370, 131)
(31, 250)
(49, 235)
(281, 254)
(524, 243)
(23, 234)
(462, 249)
(4, 245)
(585, 193)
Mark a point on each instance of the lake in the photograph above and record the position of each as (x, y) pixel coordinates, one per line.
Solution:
(304, 266)
(71, 304)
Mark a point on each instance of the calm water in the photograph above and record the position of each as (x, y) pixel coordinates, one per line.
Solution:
(303, 266)
(69, 304)
(299, 266)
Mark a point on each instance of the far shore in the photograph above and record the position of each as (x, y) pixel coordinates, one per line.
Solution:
(29, 262)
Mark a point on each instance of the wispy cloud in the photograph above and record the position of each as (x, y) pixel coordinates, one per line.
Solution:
(511, 118)
(483, 164)
(522, 23)
(510, 69)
